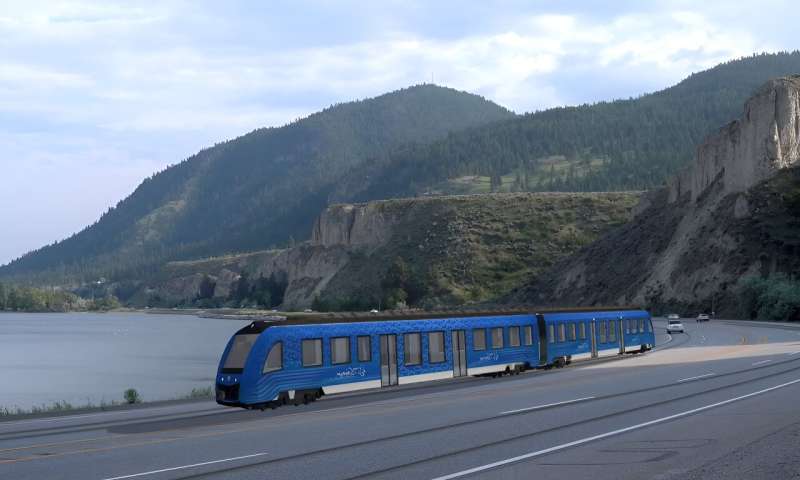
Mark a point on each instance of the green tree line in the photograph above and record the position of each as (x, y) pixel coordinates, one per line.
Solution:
(28, 299)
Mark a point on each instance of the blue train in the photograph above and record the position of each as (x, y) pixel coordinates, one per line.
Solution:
(267, 364)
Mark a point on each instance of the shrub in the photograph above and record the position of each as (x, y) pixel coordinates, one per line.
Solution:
(773, 298)
(131, 396)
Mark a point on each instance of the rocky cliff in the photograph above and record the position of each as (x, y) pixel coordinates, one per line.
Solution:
(366, 224)
(726, 217)
(451, 249)
(751, 149)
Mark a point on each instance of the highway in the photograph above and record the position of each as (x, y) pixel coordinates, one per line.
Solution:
(720, 401)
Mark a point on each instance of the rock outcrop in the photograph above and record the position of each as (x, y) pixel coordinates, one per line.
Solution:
(751, 149)
(723, 218)
(362, 224)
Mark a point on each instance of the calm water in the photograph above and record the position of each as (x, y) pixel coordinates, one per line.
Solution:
(80, 357)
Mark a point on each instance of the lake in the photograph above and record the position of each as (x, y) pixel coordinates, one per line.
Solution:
(86, 357)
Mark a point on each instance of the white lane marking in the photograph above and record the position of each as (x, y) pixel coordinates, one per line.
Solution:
(762, 362)
(538, 407)
(793, 353)
(638, 426)
(695, 378)
(187, 466)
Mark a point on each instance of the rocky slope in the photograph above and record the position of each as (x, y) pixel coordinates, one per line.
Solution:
(733, 213)
(456, 249)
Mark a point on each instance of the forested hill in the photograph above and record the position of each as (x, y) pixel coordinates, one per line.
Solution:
(265, 188)
(629, 144)
(252, 192)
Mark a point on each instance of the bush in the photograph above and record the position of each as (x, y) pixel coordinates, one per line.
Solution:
(131, 396)
(773, 298)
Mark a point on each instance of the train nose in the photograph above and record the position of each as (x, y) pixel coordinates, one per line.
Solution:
(227, 389)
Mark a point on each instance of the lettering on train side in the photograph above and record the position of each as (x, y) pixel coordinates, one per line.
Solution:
(352, 372)
(489, 357)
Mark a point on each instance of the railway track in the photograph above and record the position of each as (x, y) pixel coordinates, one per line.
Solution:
(790, 365)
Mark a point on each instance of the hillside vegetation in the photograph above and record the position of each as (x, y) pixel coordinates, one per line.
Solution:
(470, 249)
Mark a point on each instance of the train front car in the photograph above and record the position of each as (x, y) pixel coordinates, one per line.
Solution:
(250, 353)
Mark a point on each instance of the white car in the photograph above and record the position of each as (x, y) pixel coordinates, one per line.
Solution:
(674, 326)
(703, 317)
(673, 316)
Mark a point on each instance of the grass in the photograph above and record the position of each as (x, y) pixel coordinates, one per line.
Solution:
(56, 407)
(64, 406)
(557, 166)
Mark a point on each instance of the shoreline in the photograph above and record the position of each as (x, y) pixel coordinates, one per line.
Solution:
(27, 414)
(64, 408)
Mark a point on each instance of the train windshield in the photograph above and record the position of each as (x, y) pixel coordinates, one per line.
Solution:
(242, 344)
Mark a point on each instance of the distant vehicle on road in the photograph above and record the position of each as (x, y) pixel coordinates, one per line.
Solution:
(674, 326)
(703, 317)
(673, 316)
(373, 311)
(267, 364)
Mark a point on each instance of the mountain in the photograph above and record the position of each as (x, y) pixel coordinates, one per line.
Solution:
(265, 189)
(258, 190)
(728, 225)
(632, 144)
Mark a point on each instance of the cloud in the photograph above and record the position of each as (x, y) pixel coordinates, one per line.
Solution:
(125, 88)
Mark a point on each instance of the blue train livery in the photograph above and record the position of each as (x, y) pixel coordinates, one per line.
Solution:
(271, 363)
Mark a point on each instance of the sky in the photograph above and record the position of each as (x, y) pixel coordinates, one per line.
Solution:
(97, 96)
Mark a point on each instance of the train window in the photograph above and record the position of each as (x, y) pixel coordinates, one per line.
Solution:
(602, 328)
(479, 339)
(527, 331)
(582, 330)
(573, 334)
(436, 347)
(612, 331)
(647, 326)
(497, 337)
(412, 349)
(274, 359)
(641, 325)
(562, 332)
(513, 336)
(312, 352)
(364, 348)
(237, 356)
(551, 333)
(340, 350)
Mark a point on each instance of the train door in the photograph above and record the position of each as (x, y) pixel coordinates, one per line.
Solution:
(459, 354)
(542, 339)
(621, 334)
(388, 360)
(593, 336)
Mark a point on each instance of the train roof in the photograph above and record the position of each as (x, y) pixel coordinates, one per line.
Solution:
(410, 315)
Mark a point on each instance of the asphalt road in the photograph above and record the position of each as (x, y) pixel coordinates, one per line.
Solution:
(719, 401)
